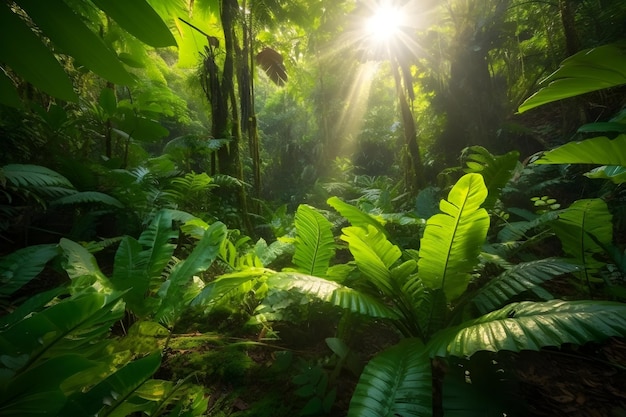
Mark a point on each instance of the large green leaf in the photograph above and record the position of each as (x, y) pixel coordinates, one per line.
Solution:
(88, 197)
(8, 93)
(105, 397)
(157, 241)
(172, 292)
(228, 287)
(532, 325)
(586, 71)
(21, 266)
(584, 229)
(73, 323)
(452, 240)
(333, 293)
(525, 276)
(26, 175)
(130, 274)
(68, 32)
(315, 244)
(397, 382)
(139, 19)
(374, 255)
(24, 52)
(600, 150)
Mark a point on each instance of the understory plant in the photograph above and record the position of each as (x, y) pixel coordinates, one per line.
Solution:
(60, 355)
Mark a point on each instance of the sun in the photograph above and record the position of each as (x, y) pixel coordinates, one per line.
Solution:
(385, 23)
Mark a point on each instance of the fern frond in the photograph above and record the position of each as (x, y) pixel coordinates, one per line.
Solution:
(24, 175)
(92, 197)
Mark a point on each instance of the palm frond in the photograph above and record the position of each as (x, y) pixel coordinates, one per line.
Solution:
(452, 240)
(93, 197)
(24, 175)
(20, 267)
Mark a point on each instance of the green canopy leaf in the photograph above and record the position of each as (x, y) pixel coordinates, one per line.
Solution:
(600, 150)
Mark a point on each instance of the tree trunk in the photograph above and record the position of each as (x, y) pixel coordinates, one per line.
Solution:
(572, 41)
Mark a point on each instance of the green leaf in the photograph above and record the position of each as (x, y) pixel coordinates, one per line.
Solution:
(172, 293)
(90, 197)
(33, 304)
(69, 325)
(600, 150)
(525, 276)
(139, 19)
(25, 175)
(331, 292)
(315, 244)
(452, 240)
(586, 71)
(68, 32)
(602, 127)
(140, 128)
(397, 382)
(8, 93)
(495, 169)
(354, 215)
(38, 66)
(617, 174)
(104, 398)
(532, 325)
(108, 101)
(21, 266)
(130, 274)
(228, 287)
(157, 241)
(80, 263)
(576, 226)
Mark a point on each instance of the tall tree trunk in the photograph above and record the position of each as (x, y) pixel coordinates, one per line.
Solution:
(572, 40)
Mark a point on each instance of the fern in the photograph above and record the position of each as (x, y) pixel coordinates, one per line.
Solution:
(21, 175)
(23, 265)
(92, 197)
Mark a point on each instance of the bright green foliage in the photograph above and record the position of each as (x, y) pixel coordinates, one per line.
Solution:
(588, 70)
(315, 244)
(531, 325)
(452, 239)
(600, 150)
(396, 382)
(354, 215)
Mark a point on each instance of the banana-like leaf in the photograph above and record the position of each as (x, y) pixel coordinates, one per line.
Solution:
(495, 169)
(67, 326)
(576, 226)
(452, 240)
(532, 325)
(355, 216)
(67, 31)
(33, 304)
(374, 255)
(315, 244)
(107, 396)
(173, 291)
(526, 276)
(397, 382)
(333, 293)
(130, 274)
(588, 70)
(139, 19)
(20, 267)
(8, 93)
(38, 66)
(600, 150)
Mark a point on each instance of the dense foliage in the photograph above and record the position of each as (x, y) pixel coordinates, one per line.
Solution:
(261, 207)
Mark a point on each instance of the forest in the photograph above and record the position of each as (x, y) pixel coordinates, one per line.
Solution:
(362, 208)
